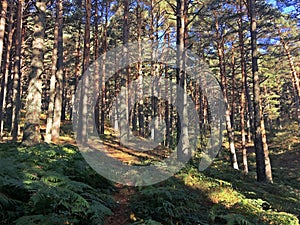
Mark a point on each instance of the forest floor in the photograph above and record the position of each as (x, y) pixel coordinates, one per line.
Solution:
(284, 148)
(218, 195)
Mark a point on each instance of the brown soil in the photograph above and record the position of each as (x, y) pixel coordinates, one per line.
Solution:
(121, 214)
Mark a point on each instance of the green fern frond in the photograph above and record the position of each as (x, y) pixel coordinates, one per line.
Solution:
(98, 212)
(235, 219)
(51, 219)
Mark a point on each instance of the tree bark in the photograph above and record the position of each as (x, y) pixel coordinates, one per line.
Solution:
(17, 73)
(103, 89)
(59, 74)
(230, 130)
(244, 83)
(2, 27)
(6, 64)
(49, 125)
(124, 103)
(98, 125)
(295, 78)
(83, 105)
(31, 135)
(263, 165)
(233, 105)
(140, 107)
(183, 150)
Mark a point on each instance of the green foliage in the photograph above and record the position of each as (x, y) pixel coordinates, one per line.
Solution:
(146, 222)
(49, 184)
(170, 205)
(219, 215)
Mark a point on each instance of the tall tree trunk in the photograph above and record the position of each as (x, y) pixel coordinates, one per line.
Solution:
(295, 78)
(244, 83)
(116, 117)
(77, 63)
(233, 105)
(168, 100)
(103, 89)
(83, 105)
(263, 165)
(17, 73)
(97, 71)
(49, 125)
(6, 64)
(140, 108)
(230, 130)
(154, 106)
(64, 95)
(183, 150)
(31, 133)
(125, 100)
(2, 27)
(59, 74)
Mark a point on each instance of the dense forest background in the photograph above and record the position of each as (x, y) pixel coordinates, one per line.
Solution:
(46, 46)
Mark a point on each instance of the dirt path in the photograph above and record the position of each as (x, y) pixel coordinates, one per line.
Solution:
(121, 213)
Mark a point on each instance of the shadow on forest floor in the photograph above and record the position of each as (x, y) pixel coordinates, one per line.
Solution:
(48, 177)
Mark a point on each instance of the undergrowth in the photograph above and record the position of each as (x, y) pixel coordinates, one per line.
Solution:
(195, 198)
(49, 184)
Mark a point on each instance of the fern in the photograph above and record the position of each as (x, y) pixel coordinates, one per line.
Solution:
(48, 187)
(98, 212)
(168, 205)
(146, 222)
(235, 219)
(51, 219)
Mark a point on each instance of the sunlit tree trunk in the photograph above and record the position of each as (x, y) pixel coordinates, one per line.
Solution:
(59, 74)
(6, 63)
(83, 104)
(98, 123)
(123, 107)
(168, 99)
(153, 72)
(295, 78)
(229, 128)
(244, 83)
(183, 150)
(233, 105)
(49, 124)
(140, 108)
(31, 133)
(263, 165)
(77, 62)
(17, 73)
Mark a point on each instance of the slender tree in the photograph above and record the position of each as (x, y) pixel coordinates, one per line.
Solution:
(229, 128)
(2, 26)
(244, 83)
(6, 66)
(104, 49)
(17, 72)
(31, 134)
(59, 73)
(139, 70)
(295, 78)
(263, 165)
(49, 125)
(183, 150)
(83, 104)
